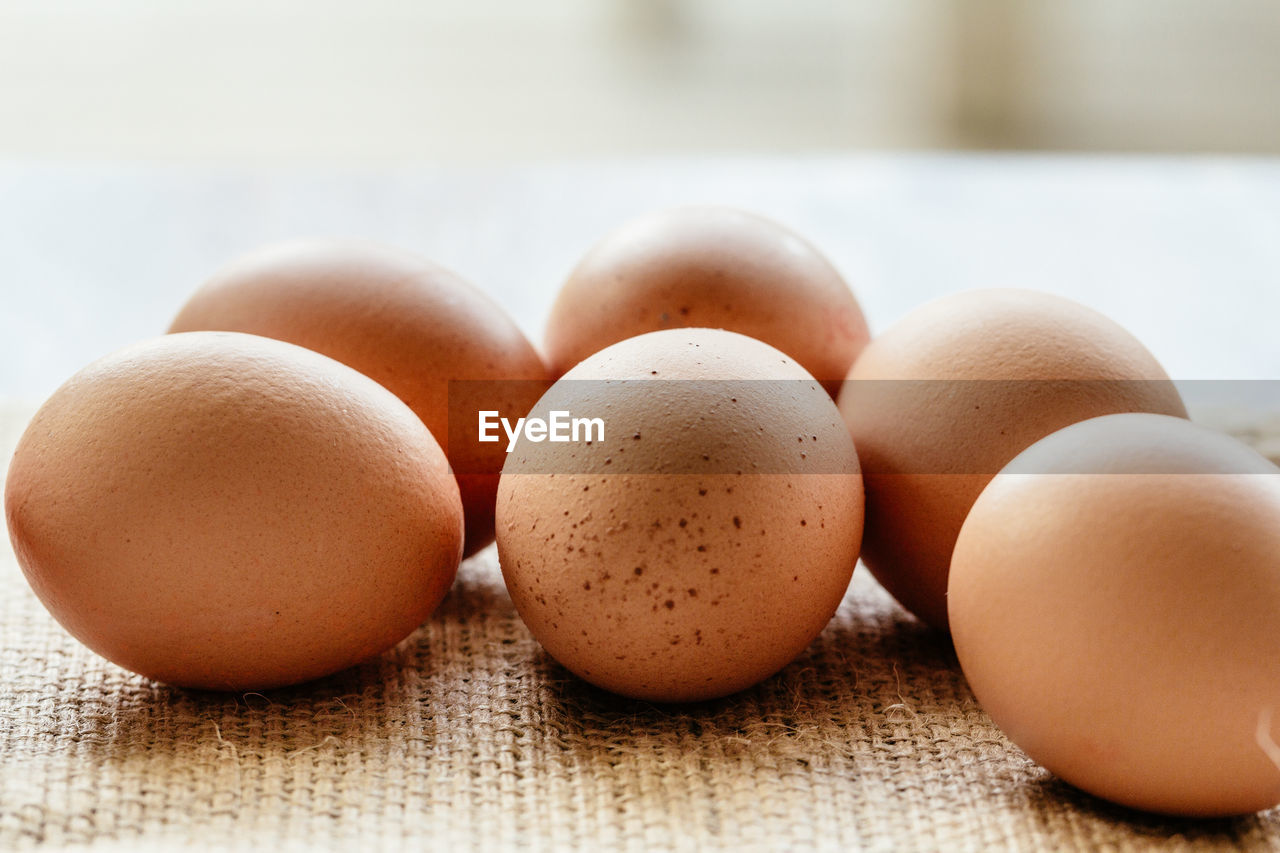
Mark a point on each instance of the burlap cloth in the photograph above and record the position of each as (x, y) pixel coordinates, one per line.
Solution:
(468, 736)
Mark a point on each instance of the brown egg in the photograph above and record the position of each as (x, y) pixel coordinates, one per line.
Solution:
(229, 512)
(1115, 604)
(708, 536)
(713, 267)
(411, 325)
(947, 396)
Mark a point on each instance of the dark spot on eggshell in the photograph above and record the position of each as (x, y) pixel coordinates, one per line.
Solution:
(673, 571)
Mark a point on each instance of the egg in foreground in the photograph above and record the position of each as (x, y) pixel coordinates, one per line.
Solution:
(1115, 605)
(945, 397)
(706, 540)
(438, 343)
(228, 512)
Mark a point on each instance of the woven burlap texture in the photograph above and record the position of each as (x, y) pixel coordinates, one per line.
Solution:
(467, 736)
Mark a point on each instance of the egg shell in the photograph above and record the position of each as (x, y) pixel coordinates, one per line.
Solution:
(412, 325)
(708, 538)
(944, 398)
(713, 267)
(1115, 605)
(228, 512)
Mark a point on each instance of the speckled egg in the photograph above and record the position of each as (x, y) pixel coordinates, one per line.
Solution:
(705, 540)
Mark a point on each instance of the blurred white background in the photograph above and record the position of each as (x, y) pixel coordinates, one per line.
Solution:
(144, 143)
(479, 81)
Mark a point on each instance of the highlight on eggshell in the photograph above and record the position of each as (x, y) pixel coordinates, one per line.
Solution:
(705, 539)
(714, 267)
(229, 512)
(433, 339)
(944, 398)
(1114, 596)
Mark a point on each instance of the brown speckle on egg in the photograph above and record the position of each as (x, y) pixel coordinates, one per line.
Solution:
(652, 492)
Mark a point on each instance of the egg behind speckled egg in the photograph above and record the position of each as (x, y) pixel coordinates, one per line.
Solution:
(713, 267)
(705, 540)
